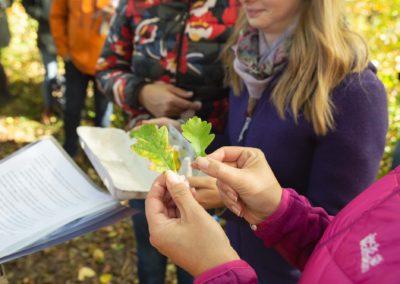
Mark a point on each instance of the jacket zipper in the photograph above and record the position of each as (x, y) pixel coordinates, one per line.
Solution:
(242, 138)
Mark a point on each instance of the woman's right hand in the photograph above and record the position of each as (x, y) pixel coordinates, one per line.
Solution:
(244, 172)
(162, 99)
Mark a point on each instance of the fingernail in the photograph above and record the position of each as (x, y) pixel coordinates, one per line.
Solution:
(186, 183)
(232, 196)
(203, 163)
(236, 210)
(190, 93)
(198, 104)
(173, 178)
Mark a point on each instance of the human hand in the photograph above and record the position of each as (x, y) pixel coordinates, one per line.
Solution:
(183, 230)
(162, 121)
(245, 172)
(162, 99)
(207, 193)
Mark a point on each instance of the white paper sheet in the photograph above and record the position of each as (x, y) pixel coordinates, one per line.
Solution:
(123, 172)
(41, 190)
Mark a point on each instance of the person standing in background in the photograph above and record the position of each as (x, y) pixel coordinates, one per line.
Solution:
(40, 11)
(5, 37)
(79, 28)
(306, 95)
(161, 63)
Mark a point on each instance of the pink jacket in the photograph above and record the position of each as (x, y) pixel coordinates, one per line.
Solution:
(360, 245)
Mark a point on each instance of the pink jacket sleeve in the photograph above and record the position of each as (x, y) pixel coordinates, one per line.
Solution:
(295, 228)
(234, 272)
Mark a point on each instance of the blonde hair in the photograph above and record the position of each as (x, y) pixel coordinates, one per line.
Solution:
(323, 51)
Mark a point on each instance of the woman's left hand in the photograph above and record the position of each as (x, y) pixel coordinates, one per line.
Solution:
(182, 230)
(207, 193)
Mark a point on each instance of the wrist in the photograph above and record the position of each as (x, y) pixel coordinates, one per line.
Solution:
(134, 100)
(235, 265)
(220, 257)
(270, 230)
(141, 94)
(271, 200)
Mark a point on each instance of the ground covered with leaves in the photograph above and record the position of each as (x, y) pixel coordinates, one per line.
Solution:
(108, 255)
(105, 256)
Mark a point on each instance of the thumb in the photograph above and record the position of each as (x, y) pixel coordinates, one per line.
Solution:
(180, 192)
(222, 172)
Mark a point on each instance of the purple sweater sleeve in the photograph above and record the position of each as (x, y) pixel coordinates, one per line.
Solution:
(347, 159)
(234, 272)
(295, 228)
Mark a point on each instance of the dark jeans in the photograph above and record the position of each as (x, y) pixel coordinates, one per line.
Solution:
(151, 264)
(75, 95)
(50, 65)
(4, 92)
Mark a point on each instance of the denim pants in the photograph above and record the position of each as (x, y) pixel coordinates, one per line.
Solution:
(75, 95)
(50, 66)
(151, 264)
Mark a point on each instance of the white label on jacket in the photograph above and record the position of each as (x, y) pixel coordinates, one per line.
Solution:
(370, 256)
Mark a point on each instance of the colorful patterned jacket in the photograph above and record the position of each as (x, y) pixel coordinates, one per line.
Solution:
(178, 42)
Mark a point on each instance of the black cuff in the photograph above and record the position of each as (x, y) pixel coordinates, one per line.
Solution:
(132, 100)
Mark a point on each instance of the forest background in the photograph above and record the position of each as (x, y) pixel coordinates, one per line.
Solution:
(108, 255)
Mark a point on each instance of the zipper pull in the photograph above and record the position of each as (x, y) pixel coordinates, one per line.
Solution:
(244, 128)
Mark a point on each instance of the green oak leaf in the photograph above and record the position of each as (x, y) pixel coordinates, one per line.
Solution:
(197, 132)
(152, 143)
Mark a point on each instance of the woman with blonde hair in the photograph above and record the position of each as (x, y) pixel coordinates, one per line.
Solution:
(303, 92)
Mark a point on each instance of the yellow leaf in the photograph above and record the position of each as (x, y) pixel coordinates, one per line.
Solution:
(105, 278)
(98, 255)
(152, 143)
(85, 272)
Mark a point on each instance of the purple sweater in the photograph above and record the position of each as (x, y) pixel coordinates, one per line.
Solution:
(329, 170)
(359, 245)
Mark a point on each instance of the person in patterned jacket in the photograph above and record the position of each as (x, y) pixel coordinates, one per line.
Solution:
(160, 64)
